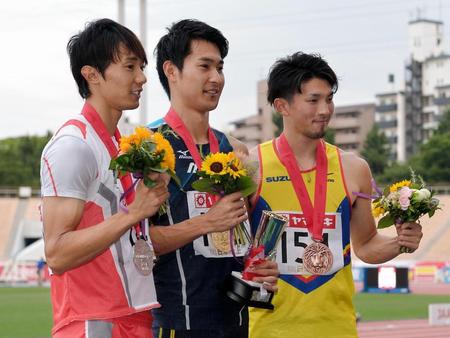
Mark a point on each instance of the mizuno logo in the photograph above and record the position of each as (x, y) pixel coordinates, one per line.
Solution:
(272, 179)
(184, 154)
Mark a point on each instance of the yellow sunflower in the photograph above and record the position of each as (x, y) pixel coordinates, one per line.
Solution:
(163, 145)
(215, 164)
(394, 187)
(235, 167)
(377, 210)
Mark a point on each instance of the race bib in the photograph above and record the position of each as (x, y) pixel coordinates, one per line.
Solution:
(296, 238)
(216, 244)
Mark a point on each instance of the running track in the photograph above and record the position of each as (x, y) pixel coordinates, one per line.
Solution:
(412, 328)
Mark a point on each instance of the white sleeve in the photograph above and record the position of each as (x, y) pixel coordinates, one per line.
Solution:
(68, 168)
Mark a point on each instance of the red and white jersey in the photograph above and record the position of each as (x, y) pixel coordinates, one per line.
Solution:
(75, 163)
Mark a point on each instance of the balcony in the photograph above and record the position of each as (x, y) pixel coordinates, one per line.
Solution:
(442, 101)
(344, 123)
(387, 124)
(386, 108)
(247, 133)
(347, 138)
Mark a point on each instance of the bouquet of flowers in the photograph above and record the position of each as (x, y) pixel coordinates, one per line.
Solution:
(144, 152)
(404, 201)
(222, 174)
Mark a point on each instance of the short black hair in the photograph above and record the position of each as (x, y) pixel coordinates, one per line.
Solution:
(176, 45)
(288, 74)
(98, 45)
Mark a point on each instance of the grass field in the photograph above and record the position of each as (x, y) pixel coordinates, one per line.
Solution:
(395, 306)
(26, 312)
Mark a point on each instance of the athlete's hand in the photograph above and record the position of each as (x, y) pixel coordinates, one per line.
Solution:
(229, 211)
(268, 274)
(148, 200)
(409, 235)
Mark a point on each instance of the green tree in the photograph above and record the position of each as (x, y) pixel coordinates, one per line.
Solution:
(375, 150)
(277, 120)
(434, 157)
(20, 164)
(444, 124)
(330, 135)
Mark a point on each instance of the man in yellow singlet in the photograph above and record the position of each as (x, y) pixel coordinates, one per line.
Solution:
(315, 184)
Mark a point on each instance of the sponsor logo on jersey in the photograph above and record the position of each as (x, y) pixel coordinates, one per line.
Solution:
(273, 179)
(183, 154)
(298, 220)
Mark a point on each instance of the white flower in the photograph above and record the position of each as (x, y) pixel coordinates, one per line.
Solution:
(422, 194)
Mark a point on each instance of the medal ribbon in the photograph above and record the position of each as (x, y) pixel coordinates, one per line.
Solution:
(100, 129)
(176, 123)
(314, 214)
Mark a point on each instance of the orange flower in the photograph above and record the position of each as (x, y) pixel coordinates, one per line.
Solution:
(163, 145)
(142, 133)
(124, 144)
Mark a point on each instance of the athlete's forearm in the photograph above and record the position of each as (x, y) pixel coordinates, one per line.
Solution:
(71, 249)
(378, 249)
(166, 239)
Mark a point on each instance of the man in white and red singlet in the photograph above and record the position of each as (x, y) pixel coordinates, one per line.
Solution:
(96, 289)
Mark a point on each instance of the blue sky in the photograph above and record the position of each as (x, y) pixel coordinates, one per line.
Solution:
(363, 40)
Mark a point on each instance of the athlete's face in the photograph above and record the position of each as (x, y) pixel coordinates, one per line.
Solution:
(122, 83)
(310, 111)
(199, 84)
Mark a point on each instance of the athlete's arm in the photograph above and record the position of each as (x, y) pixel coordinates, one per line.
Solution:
(223, 215)
(65, 246)
(368, 244)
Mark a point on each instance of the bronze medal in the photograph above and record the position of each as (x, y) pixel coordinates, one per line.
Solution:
(221, 241)
(317, 258)
(143, 257)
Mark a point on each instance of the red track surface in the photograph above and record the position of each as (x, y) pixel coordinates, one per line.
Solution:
(413, 328)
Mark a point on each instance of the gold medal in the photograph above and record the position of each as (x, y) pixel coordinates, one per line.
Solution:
(143, 257)
(221, 241)
(317, 258)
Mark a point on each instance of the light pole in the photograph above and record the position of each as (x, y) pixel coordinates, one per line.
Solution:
(143, 38)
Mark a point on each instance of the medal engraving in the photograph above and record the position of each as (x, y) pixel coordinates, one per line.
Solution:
(317, 258)
(143, 257)
(221, 241)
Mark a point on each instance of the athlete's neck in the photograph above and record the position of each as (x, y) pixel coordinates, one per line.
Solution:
(108, 115)
(304, 148)
(197, 123)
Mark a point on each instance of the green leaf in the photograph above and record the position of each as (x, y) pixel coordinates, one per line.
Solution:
(386, 221)
(246, 186)
(204, 185)
(158, 170)
(386, 191)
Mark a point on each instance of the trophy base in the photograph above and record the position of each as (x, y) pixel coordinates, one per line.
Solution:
(248, 292)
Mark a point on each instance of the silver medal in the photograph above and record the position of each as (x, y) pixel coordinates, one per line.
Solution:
(143, 257)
